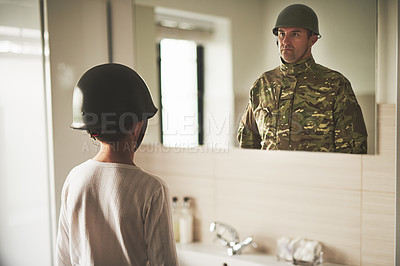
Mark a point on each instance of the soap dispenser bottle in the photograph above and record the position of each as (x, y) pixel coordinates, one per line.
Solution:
(186, 222)
(175, 217)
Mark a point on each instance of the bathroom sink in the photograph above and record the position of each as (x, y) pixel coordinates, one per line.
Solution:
(202, 254)
(199, 254)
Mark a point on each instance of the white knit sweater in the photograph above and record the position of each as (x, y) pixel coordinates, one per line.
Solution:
(115, 214)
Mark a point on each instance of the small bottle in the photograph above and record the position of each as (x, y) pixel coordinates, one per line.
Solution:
(186, 222)
(175, 217)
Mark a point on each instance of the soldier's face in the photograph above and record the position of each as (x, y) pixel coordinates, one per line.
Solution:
(295, 44)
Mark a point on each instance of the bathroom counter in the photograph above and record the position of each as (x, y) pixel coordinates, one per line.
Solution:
(200, 254)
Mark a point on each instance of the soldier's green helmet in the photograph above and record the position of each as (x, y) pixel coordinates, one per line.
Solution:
(297, 16)
(107, 95)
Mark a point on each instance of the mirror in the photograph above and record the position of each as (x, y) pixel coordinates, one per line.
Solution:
(238, 33)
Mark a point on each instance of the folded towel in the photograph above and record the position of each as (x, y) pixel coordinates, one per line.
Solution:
(299, 250)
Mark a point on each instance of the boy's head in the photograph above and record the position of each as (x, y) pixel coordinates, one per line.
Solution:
(108, 102)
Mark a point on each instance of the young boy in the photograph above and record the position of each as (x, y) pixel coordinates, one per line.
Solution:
(112, 212)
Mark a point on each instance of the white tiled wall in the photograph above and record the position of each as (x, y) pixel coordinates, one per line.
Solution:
(345, 201)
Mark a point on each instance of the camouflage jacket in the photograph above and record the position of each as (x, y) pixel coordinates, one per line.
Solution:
(303, 106)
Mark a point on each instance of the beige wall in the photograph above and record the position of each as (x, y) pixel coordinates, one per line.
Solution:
(345, 201)
(387, 71)
(146, 63)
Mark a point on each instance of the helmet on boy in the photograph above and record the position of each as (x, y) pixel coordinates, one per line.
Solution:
(108, 93)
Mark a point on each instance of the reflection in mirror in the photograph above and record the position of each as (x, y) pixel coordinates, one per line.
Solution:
(239, 46)
(181, 109)
(210, 35)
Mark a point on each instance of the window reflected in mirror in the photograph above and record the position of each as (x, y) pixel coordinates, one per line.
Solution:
(181, 90)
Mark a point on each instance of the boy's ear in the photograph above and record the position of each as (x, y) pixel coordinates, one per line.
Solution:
(137, 128)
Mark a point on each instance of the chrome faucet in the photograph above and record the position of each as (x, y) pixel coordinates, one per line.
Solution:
(234, 246)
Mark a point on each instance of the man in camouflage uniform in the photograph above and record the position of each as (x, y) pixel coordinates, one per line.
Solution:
(301, 105)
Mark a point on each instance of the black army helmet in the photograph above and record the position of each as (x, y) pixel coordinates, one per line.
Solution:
(297, 16)
(108, 95)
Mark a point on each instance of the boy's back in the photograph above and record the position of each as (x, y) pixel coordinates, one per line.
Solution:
(114, 214)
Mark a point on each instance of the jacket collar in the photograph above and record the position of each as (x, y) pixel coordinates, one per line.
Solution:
(297, 68)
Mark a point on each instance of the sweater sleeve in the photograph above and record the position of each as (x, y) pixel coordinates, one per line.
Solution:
(63, 243)
(158, 230)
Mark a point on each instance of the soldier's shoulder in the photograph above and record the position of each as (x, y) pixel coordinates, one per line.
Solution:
(270, 75)
(265, 78)
(272, 72)
(329, 73)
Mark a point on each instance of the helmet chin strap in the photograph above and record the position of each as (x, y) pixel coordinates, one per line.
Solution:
(141, 134)
(302, 56)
